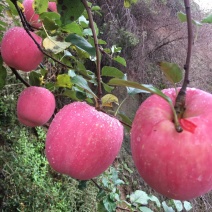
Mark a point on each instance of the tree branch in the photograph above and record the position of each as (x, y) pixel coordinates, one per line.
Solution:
(19, 77)
(180, 100)
(98, 58)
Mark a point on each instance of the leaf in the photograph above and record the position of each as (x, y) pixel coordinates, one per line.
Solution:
(107, 87)
(128, 3)
(167, 208)
(64, 80)
(178, 204)
(207, 20)
(133, 91)
(139, 197)
(82, 184)
(95, 8)
(101, 207)
(40, 6)
(109, 205)
(53, 45)
(12, 7)
(71, 94)
(172, 72)
(125, 118)
(155, 199)
(50, 20)
(81, 43)
(148, 88)
(109, 71)
(34, 78)
(82, 83)
(187, 205)
(183, 18)
(73, 28)
(145, 209)
(108, 100)
(120, 60)
(70, 10)
(3, 74)
(101, 194)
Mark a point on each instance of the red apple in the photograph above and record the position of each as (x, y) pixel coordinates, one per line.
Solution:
(82, 142)
(35, 106)
(30, 14)
(177, 165)
(19, 51)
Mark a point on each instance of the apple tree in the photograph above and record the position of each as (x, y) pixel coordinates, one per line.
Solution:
(54, 48)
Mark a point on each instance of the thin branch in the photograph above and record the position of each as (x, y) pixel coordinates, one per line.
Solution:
(19, 77)
(98, 57)
(180, 100)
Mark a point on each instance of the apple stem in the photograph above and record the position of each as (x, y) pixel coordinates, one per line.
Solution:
(98, 57)
(180, 100)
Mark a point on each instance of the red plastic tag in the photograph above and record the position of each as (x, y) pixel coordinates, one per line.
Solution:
(188, 125)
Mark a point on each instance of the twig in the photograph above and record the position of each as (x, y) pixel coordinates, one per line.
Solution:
(99, 187)
(98, 58)
(180, 100)
(19, 77)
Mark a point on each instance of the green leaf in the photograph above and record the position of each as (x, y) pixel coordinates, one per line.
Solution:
(101, 194)
(178, 204)
(71, 94)
(64, 80)
(34, 78)
(120, 60)
(148, 88)
(183, 18)
(109, 71)
(172, 72)
(101, 207)
(167, 208)
(12, 7)
(81, 43)
(70, 10)
(125, 118)
(40, 6)
(187, 205)
(3, 74)
(82, 184)
(73, 28)
(52, 44)
(207, 20)
(95, 8)
(109, 205)
(51, 20)
(107, 87)
(139, 197)
(82, 83)
(128, 3)
(145, 209)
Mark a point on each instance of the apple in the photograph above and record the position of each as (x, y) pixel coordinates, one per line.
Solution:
(82, 142)
(35, 106)
(176, 165)
(19, 51)
(30, 14)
